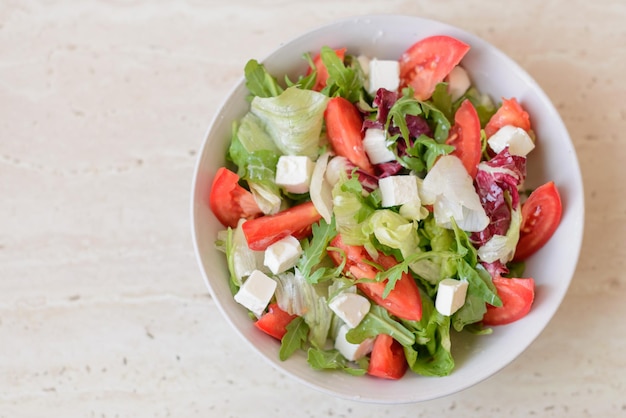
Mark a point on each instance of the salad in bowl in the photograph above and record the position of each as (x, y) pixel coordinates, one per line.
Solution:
(370, 207)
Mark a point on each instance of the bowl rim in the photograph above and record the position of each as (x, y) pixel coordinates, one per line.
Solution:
(240, 83)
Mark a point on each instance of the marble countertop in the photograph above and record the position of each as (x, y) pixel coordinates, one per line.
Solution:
(103, 106)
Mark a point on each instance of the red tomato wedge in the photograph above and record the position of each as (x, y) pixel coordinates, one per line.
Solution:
(465, 136)
(517, 297)
(322, 71)
(387, 359)
(229, 201)
(343, 126)
(403, 301)
(274, 322)
(427, 62)
(510, 113)
(264, 231)
(541, 215)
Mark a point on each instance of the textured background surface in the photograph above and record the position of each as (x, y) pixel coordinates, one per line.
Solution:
(103, 312)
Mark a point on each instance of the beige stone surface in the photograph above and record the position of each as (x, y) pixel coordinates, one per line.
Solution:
(103, 106)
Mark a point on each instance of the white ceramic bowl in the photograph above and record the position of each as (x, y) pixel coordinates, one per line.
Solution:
(554, 158)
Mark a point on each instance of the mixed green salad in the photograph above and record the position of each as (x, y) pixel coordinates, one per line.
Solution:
(373, 207)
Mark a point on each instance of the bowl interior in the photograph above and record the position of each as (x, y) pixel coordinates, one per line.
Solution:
(554, 158)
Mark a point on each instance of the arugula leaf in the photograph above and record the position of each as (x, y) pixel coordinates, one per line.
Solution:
(259, 82)
(294, 339)
(333, 360)
(393, 274)
(438, 360)
(378, 321)
(306, 82)
(440, 123)
(342, 81)
(430, 355)
(442, 100)
(427, 150)
(405, 105)
(315, 250)
(463, 245)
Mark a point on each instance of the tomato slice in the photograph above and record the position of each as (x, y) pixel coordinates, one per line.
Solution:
(274, 322)
(427, 62)
(229, 201)
(465, 136)
(343, 126)
(322, 71)
(517, 297)
(541, 215)
(510, 113)
(264, 231)
(387, 359)
(403, 301)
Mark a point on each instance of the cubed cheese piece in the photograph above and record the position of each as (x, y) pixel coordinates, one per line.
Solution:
(283, 254)
(293, 173)
(517, 139)
(450, 296)
(385, 74)
(398, 190)
(350, 307)
(352, 351)
(458, 82)
(256, 292)
(375, 145)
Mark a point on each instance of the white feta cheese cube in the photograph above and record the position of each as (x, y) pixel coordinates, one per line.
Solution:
(450, 296)
(398, 190)
(458, 82)
(351, 351)
(283, 254)
(256, 292)
(375, 145)
(293, 173)
(517, 139)
(350, 307)
(385, 74)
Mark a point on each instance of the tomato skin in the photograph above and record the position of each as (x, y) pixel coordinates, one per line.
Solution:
(230, 202)
(322, 71)
(465, 136)
(344, 128)
(274, 322)
(427, 62)
(387, 358)
(541, 215)
(404, 301)
(264, 231)
(510, 113)
(517, 298)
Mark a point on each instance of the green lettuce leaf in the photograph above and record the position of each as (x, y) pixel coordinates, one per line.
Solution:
(293, 119)
(256, 156)
(351, 209)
